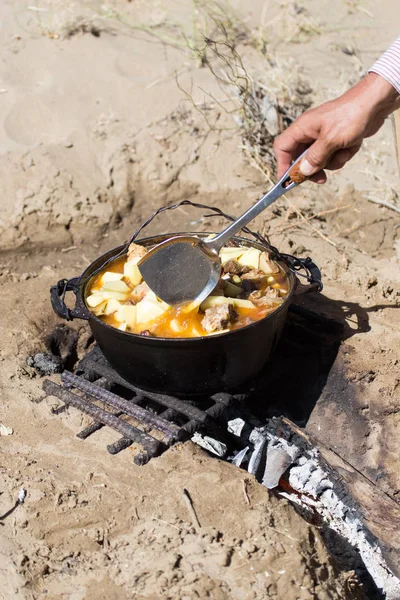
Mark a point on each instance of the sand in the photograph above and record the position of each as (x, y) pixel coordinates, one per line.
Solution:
(106, 116)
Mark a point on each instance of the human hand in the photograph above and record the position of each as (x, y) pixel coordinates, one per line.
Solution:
(334, 131)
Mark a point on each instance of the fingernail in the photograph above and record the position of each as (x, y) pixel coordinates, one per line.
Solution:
(306, 168)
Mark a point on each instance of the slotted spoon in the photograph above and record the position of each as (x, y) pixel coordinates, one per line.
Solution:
(185, 269)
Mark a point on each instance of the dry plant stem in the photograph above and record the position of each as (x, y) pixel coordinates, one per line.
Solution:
(383, 203)
(316, 216)
(385, 184)
(315, 229)
(165, 523)
(211, 126)
(258, 163)
(245, 494)
(189, 504)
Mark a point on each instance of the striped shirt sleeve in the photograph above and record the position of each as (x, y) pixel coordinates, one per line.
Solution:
(388, 65)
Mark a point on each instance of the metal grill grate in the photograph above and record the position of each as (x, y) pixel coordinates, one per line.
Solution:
(289, 385)
(153, 421)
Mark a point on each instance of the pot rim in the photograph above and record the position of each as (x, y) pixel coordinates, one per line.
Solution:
(203, 338)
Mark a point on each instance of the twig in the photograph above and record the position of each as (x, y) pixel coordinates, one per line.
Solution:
(315, 229)
(280, 532)
(365, 11)
(165, 522)
(189, 504)
(258, 163)
(316, 216)
(383, 203)
(20, 500)
(244, 564)
(245, 494)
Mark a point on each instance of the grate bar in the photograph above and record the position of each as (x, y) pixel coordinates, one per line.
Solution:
(95, 425)
(92, 428)
(152, 446)
(142, 414)
(119, 445)
(98, 387)
(191, 412)
(213, 412)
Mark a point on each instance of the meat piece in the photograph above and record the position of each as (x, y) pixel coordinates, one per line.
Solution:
(135, 251)
(271, 292)
(247, 321)
(254, 279)
(139, 292)
(235, 268)
(264, 299)
(219, 317)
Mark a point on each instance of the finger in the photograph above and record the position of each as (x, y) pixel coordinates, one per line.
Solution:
(283, 161)
(293, 141)
(317, 157)
(341, 157)
(319, 177)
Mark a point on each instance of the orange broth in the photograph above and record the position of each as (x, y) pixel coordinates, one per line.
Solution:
(160, 327)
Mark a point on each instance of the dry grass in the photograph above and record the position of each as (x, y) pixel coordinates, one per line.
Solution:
(255, 105)
(214, 37)
(260, 107)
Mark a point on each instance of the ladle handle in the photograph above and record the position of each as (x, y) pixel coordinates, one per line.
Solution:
(290, 179)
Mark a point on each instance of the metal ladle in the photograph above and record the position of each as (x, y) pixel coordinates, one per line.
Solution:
(185, 269)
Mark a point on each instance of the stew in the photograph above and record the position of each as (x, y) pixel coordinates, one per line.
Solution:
(251, 286)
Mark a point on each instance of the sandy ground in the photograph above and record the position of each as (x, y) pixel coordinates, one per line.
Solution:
(98, 131)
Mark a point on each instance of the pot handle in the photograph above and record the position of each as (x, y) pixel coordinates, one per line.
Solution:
(57, 298)
(313, 275)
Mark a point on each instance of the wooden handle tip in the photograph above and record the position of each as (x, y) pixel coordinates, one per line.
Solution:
(295, 175)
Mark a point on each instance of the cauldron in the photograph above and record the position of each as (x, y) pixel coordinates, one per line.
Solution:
(179, 366)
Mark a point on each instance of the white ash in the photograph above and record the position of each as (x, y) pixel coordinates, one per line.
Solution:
(257, 455)
(276, 442)
(210, 444)
(277, 461)
(258, 435)
(239, 457)
(308, 477)
(21, 496)
(45, 364)
(236, 426)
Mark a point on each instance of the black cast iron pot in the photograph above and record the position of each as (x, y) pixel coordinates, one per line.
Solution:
(179, 366)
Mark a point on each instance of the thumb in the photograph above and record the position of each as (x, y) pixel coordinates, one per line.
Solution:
(317, 157)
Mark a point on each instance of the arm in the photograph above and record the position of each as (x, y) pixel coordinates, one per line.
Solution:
(335, 130)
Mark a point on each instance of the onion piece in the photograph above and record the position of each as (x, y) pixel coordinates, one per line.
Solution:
(112, 306)
(212, 301)
(111, 276)
(127, 314)
(94, 300)
(132, 273)
(230, 254)
(250, 258)
(115, 286)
